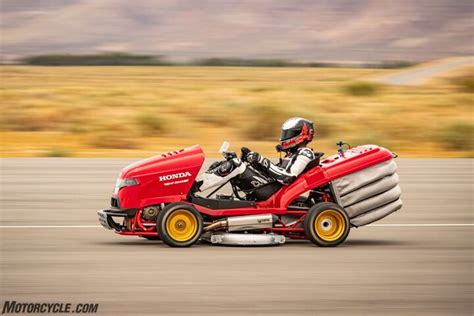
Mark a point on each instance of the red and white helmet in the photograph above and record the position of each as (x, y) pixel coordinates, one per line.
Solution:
(296, 131)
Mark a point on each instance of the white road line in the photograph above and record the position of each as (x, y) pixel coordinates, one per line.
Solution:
(371, 225)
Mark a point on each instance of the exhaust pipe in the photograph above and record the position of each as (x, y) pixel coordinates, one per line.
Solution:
(239, 223)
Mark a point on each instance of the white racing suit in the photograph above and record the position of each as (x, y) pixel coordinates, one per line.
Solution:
(284, 172)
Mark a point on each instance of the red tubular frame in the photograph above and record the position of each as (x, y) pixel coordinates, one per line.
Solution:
(139, 222)
(139, 228)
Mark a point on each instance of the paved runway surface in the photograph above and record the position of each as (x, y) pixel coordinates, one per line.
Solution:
(395, 270)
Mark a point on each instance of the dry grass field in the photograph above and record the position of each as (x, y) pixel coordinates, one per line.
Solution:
(140, 111)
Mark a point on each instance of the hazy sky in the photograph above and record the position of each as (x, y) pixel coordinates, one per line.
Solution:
(303, 30)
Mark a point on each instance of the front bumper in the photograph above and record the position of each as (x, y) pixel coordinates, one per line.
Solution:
(106, 218)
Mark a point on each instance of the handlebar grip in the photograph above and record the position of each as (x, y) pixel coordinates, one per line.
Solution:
(230, 155)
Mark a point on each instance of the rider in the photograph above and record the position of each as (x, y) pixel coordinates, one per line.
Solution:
(296, 133)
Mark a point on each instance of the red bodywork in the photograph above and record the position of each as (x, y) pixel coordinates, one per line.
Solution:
(185, 165)
(147, 172)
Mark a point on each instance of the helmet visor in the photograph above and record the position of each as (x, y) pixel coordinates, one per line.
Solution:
(289, 133)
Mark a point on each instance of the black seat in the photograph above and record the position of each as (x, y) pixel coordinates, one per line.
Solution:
(264, 192)
(313, 163)
(216, 204)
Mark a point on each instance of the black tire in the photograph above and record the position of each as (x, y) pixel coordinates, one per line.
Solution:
(187, 227)
(327, 224)
(152, 237)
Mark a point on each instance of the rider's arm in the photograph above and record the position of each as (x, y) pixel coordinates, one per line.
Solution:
(294, 170)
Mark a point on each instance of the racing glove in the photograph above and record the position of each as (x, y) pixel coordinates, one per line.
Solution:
(244, 152)
(254, 158)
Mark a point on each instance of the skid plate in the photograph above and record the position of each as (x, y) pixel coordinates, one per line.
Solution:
(229, 239)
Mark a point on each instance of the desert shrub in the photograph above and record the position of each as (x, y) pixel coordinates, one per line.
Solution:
(323, 127)
(458, 136)
(115, 136)
(262, 89)
(57, 152)
(214, 114)
(265, 123)
(150, 124)
(23, 120)
(218, 113)
(78, 128)
(369, 139)
(359, 89)
(114, 141)
(465, 83)
(214, 118)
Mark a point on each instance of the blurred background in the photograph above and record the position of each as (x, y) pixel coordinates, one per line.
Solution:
(135, 78)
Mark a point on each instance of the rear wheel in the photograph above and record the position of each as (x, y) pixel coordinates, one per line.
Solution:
(179, 225)
(327, 224)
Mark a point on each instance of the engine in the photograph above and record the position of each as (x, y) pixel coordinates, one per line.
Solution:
(150, 212)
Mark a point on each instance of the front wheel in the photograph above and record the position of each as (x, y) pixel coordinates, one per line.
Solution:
(327, 224)
(179, 225)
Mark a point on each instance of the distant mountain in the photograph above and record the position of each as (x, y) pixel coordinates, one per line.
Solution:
(297, 30)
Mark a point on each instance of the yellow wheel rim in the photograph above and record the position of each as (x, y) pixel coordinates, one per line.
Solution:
(182, 225)
(329, 225)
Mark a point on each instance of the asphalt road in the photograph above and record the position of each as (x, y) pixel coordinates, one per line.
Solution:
(419, 74)
(391, 270)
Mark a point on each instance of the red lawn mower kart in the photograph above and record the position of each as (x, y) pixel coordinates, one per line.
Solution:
(155, 199)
